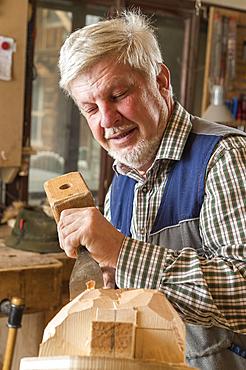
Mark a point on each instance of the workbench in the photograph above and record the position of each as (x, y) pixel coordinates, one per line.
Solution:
(42, 281)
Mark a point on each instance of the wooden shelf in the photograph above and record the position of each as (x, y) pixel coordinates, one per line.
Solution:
(236, 86)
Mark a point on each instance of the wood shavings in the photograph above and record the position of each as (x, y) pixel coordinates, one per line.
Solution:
(90, 284)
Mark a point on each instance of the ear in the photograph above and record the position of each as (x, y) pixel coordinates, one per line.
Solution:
(163, 80)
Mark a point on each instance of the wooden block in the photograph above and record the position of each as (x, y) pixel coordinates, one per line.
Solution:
(124, 340)
(118, 315)
(102, 339)
(105, 314)
(68, 191)
(114, 339)
(127, 315)
(167, 350)
(89, 363)
(137, 324)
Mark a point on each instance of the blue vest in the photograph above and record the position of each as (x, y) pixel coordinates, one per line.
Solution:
(183, 195)
(177, 226)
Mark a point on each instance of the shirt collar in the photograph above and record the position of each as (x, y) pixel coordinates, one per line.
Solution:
(175, 134)
(173, 141)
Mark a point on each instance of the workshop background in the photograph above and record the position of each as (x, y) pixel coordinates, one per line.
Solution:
(43, 135)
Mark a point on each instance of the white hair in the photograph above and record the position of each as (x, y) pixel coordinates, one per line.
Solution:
(129, 38)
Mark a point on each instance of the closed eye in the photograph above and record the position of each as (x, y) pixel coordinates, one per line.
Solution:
(89, 110)
(119, 95)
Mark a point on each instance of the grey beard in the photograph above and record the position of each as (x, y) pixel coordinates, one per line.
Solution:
(138, 156)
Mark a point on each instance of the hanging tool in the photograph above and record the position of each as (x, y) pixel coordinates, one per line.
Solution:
(198, 5)
(14, 310)
(71, 191)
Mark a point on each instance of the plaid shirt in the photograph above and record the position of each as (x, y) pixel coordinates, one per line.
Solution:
(206, 287)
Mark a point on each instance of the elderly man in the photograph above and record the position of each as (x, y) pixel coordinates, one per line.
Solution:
(175, 212)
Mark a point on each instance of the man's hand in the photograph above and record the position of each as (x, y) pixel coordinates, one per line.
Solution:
(88, 227)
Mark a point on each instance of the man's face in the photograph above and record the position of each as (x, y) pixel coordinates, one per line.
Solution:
(126, 112)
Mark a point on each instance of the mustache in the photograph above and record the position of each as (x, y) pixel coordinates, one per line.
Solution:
(113, 131)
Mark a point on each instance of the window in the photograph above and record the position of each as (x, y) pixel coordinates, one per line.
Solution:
(48, 128)
(60, 136)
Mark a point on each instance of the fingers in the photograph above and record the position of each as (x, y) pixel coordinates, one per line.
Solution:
(88, 227)
(74, 213)
(69, 242)
(68, 228)
(75, 219)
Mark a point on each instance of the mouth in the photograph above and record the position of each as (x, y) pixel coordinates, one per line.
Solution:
(122, 136)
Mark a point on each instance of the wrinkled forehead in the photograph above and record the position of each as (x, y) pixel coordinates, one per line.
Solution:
(106, 75)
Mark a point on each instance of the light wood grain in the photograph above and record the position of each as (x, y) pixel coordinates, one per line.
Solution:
(135, 324)
(67, 191)
(95, 363)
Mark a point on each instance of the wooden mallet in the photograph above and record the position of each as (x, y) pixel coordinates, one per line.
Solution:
(70, 191)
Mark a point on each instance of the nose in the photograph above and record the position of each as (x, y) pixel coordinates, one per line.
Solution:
(109, 115)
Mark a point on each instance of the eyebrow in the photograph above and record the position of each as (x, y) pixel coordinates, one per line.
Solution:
(109, 90)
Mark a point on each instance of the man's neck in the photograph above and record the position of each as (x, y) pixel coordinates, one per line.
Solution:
(143, 170)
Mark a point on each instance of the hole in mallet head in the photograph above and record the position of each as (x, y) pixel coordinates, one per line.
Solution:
(65, 186)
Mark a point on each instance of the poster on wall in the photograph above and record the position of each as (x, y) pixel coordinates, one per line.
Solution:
(7, 48)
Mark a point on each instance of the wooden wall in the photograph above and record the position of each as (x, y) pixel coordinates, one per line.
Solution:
(13, 23)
